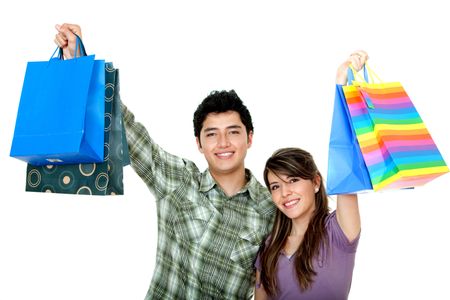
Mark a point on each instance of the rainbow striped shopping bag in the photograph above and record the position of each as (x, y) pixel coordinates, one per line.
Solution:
(397, 148)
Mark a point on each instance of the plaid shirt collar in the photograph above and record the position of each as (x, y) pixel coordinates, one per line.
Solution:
(207, 183)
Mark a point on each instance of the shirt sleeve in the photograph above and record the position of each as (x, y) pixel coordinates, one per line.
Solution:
(337, 237)
(160, 170)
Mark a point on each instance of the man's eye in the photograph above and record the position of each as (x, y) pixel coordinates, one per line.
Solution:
(210, 134)
(235, 132)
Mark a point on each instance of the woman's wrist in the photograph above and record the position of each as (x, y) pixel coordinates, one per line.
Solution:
(341, 75)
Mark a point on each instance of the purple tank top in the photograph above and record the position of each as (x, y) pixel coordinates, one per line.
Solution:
(334, 268)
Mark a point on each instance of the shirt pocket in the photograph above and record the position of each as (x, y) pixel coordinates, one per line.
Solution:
(190, 221)
(246, 248)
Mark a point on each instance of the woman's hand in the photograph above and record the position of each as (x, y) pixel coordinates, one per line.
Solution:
(66, 39)
(357, 59)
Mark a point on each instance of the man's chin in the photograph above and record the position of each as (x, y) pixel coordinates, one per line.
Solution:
(225, 170)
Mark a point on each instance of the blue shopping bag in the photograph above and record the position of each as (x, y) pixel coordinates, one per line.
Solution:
(60, 119)
(347, 171)
(104, 178)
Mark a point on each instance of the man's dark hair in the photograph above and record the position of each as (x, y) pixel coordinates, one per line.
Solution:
(218, 102)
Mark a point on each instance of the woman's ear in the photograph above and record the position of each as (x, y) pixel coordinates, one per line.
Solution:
(317, 181)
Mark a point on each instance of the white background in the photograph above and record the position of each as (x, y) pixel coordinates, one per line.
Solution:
(281, 58)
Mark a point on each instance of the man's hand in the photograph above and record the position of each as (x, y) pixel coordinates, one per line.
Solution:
(66, 39)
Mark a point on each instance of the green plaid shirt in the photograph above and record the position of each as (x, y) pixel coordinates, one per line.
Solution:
(207, 241)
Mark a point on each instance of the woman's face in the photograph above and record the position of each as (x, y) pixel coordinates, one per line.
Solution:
(294, 196)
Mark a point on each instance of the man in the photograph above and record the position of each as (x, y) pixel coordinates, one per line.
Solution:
(211, 223)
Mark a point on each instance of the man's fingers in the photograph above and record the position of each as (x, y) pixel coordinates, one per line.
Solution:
(60, 40)
(69, 30)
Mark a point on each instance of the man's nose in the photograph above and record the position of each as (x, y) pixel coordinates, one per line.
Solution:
(223, 141)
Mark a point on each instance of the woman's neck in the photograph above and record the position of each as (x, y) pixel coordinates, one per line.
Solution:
(300, 225)
(295, 238)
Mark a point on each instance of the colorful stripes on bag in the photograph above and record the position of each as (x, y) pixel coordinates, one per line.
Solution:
(396, 145)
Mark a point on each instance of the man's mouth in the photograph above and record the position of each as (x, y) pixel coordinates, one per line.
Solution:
(224, 155)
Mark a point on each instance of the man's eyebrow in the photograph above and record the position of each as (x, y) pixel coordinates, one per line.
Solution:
(210, 129)
(215, 128)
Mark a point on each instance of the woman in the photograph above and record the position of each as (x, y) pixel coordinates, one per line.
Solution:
(310, 252)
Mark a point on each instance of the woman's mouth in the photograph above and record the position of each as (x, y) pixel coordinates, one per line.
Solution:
(291, 203)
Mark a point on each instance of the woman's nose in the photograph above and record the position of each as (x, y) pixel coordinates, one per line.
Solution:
(285, 190)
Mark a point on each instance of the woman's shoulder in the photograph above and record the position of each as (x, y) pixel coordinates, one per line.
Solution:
(336, 235)
(331, 217)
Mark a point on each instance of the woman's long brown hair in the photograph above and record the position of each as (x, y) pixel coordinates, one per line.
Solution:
(299, 163)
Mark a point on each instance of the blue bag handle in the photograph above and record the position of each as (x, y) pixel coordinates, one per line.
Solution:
(79, 44)
(351, 77)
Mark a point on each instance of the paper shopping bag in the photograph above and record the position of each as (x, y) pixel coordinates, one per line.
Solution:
(104, 178)
(398, 150)
(60, 118)
(347, 172)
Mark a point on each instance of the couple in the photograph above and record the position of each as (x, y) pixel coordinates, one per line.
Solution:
(221, 234)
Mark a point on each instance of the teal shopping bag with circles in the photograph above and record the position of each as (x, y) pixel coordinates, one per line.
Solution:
(60, 115)
(105, 178)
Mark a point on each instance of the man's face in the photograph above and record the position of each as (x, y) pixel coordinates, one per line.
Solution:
(224, 142)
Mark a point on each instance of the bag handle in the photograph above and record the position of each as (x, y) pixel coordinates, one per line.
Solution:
(352, 74)
(78, 46)
(372, 74)
(368, 72)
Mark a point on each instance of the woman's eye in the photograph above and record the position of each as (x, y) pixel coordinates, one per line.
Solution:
(274, 187)
(292, 180)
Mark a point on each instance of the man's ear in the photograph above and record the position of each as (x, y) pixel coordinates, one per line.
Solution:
(199, 145)
(249, 139)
